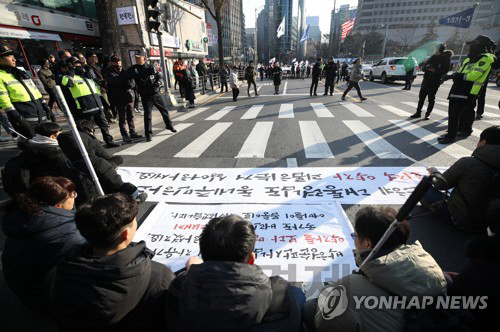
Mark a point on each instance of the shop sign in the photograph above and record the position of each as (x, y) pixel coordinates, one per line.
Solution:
(168, 40)
(195, 46)
(25, 34)
(127, 15)
(26, 17)
(154, 52)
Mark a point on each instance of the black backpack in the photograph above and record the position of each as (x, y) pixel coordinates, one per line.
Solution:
(16, 175)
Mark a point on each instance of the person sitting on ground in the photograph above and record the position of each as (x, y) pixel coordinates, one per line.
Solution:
(480, 277)
(40, 156)
(40, 231)
(469, 177)
(243, 297)
(111, 283)
(104, 165)
(398, 269)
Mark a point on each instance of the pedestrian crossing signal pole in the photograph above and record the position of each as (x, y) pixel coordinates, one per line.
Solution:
(76, 134)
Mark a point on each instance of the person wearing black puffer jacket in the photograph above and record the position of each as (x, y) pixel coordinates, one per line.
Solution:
(111, 284)
(104, 165)
(40, 231)
(226, 291)
(434, 69)
(480, 277)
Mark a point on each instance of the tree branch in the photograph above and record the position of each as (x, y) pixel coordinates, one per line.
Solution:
(205, 3)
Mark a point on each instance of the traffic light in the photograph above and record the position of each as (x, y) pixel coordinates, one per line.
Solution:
(153, 14)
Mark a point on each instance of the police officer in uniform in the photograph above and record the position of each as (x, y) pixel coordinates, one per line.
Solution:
(148, 82)
(86, 97)
(19, 97)
(467, 84)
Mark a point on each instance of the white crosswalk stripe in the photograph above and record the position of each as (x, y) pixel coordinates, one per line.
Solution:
(454, 150)
(139, 148)
(378, 145)
(435, 110)
(321, 110)
(493, 115)
(395, 110)
(253, 112)
(315, 144)
(358, 111)
(286, 111)
(189, 115)
(199, 145)
(256, 143)
(219, 114)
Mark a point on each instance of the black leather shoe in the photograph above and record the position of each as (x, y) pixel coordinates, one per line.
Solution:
(135, 136)
(363, 98)
(112, 144)
(325, 94)
(446, 140)
(149, 139)
(126, 139)
(171, 128)
(416, 115)
(427, 115)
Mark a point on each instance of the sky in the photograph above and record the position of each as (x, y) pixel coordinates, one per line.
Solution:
(321, 8)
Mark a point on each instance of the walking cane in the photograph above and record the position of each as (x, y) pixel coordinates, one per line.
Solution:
(76, 135)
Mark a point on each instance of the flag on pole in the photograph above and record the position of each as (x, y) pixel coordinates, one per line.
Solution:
(462, 19)
(305, 36)
(281, 29)
(294, 60)
(347, 27)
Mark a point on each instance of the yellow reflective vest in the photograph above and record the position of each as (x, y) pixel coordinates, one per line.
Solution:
(21, 96)
(474, 76)
(85, 93)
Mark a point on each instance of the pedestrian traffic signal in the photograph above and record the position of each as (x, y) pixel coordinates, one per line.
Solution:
(153, 14)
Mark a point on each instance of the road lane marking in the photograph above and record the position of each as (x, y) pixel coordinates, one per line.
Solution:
(291, 162)
(493, 115)
(139, 148)
(358, 111)
(395, 110)
(253, 112)
(315, 144)
(189, 115)
(455, 150)
(286, 111)
(256, 143)
(284, 89)
(321, 110)
(200, 144)
(219, 114)
(378, 145)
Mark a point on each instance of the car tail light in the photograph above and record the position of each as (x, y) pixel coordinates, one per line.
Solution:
(393, 67)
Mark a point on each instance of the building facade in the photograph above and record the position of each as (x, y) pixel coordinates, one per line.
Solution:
(410, 18)
(36, 29)
(283, 48)
(314, 30)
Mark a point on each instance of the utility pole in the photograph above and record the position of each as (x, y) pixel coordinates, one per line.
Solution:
(385, 39)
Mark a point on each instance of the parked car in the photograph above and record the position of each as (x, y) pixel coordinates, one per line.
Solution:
(390, 70)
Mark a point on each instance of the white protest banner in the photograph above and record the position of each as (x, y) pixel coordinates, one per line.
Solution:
(298, 242)
(347, 185)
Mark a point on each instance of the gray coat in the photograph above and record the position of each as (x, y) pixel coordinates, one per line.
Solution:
(469, 178)
(406, 271)
(357, 73)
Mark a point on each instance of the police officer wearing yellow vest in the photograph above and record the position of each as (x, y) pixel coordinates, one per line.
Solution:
(467, 84)
(19, 97)
(86, 98)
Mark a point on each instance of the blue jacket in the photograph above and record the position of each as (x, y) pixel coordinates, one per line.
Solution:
(34, 245)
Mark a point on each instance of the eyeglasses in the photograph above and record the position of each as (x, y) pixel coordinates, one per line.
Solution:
(354, 235)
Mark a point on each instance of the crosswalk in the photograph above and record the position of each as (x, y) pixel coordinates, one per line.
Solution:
(315, 136)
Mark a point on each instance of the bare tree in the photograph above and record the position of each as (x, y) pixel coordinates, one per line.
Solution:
(108, 26)
(406, 34)
(215, 8)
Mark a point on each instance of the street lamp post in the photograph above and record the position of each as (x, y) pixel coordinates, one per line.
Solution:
(385, 39)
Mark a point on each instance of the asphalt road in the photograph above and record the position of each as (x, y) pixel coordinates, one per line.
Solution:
(283, 132)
